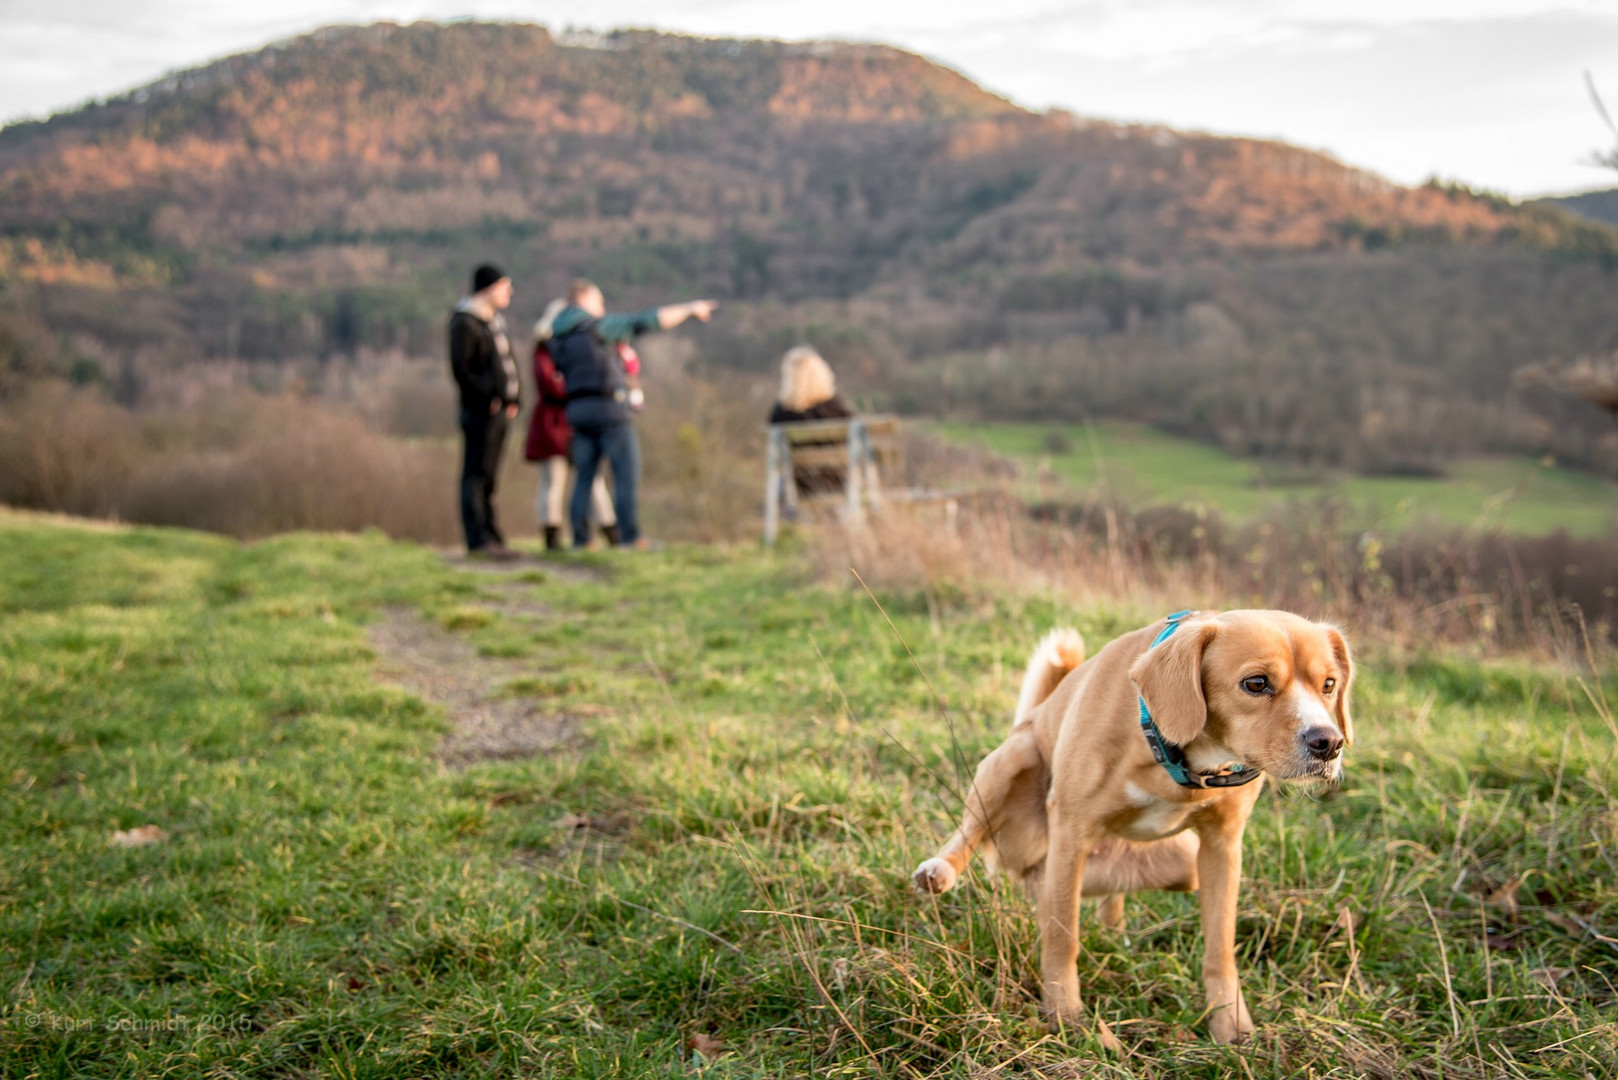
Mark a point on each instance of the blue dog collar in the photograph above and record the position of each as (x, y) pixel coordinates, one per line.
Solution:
(1171, 757)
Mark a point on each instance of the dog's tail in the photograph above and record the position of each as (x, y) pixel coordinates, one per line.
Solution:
(1060, 652)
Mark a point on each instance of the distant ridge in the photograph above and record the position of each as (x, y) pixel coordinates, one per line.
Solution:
(1596, 206)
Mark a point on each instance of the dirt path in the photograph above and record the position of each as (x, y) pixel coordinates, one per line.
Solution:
(435, 664)
(558, 570)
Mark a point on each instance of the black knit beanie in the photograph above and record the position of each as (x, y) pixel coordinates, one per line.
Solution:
(486, 275)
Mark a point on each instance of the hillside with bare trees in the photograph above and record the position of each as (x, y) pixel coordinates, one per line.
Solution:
(950, 251)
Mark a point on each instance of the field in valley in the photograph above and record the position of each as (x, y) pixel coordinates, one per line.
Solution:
(654, 815)
(1143, 466)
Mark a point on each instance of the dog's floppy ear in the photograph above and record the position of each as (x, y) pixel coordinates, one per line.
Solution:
(1169, 677)
(1339, 648)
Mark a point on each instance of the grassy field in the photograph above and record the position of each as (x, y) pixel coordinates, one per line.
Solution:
(1142, 466)
(720, 853)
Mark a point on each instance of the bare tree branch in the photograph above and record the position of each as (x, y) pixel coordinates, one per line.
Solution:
(1608, 158)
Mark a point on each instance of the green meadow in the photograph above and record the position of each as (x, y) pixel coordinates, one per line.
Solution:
(708, 874)
(1143, 466)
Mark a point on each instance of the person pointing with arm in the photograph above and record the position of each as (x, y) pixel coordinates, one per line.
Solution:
(582, 345)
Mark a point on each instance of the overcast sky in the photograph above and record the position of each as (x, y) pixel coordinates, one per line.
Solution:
(1489, 92)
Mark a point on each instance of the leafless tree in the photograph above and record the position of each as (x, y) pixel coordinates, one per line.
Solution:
(1593, 378)
(1607, 158)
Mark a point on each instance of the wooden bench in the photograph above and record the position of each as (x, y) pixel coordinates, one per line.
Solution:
(861, 447)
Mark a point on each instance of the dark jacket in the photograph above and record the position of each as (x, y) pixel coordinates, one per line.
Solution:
(483, 371)
(833, 408)
(581, 346)
(548, 430)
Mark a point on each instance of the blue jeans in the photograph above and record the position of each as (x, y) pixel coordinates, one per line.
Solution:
(618, 444)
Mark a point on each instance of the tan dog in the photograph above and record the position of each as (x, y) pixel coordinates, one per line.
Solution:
(1075, 803)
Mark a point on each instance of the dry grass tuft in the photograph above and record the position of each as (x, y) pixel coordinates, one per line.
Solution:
(1552, 595)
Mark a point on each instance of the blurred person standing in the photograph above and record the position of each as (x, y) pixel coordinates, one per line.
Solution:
(549, 437)
(486, 374)
(583, 340)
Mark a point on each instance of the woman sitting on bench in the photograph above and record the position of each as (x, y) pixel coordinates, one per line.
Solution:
(809, 392)
(808, 389)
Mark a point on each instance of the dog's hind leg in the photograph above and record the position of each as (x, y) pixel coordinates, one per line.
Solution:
(1006, 805)
(1116, 867)
(1111, 911)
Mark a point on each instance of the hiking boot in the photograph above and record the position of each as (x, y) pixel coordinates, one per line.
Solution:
(494, 553)
(553, 538)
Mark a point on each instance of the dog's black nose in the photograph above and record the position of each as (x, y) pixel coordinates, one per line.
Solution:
(1323, 742)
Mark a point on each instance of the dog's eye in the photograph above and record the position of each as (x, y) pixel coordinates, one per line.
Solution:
(1256, 684)
(1331, 684)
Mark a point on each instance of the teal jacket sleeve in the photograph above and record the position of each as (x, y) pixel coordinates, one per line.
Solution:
(616, 327)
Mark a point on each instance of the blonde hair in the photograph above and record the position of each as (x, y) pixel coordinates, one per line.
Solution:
(806, 379)
(542, 329)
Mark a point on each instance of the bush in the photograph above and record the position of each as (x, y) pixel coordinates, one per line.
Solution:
(241, 464)
(380, 450)
(66, 449)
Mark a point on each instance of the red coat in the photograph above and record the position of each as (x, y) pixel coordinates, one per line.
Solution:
(548, 433)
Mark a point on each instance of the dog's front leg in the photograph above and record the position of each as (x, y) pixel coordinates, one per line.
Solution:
(1219, 864)
(1059, 915)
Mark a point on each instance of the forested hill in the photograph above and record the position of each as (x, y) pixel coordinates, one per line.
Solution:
(848, 161)
(949, 248)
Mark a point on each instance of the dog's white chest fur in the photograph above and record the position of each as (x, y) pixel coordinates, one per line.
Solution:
(1156, 818)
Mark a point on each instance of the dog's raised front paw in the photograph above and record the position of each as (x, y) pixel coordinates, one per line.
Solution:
(933, 877)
